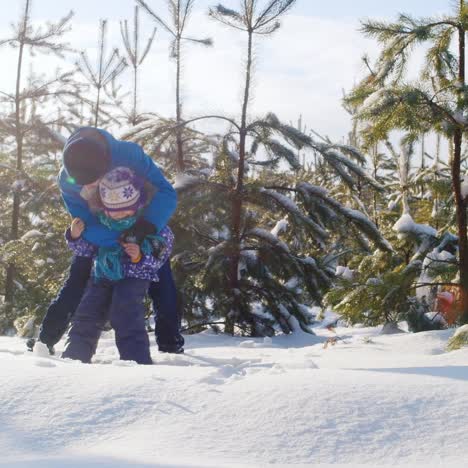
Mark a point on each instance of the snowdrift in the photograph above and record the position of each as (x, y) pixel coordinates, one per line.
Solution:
(369, 399)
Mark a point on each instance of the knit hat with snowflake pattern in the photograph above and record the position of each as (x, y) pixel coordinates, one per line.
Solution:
(121, 190)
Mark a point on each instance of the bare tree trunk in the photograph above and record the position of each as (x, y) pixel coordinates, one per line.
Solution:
(423, 151)
(180, 149)
(436, 168)
(135, 67)
(422, 185)
(238, 194)
(96, 111)
(135, 94)
(456, 181)
(101, 71)
(9, 283)
(375, 150)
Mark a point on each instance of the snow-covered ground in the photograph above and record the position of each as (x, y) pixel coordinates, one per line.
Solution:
(397, 400)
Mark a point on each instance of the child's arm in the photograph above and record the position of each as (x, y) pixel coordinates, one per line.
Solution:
(133, 251)
(157, 259)
(95, 232)
(78, 245)
(162, 247)
(77, 227)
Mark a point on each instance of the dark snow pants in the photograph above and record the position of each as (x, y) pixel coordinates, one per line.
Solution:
(121, 303)
(163, 296)
(167, 320)
(63, 307)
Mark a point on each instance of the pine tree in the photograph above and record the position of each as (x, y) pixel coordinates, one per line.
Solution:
(38, 39)
(108, 69)
(252, 21)
(39, 254)
(135, 56)
(385, 288)
(241, 270)
(158, 136)
(436, 101)
(179, 16)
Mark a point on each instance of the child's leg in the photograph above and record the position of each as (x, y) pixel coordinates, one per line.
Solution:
(88, 321)
(127, 317)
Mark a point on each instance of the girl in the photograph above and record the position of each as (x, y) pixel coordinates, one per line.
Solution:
(121, 275)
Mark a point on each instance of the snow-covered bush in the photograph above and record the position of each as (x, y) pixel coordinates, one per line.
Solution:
(398, 285)
(376, 293)
(459, 339)
(392, 98)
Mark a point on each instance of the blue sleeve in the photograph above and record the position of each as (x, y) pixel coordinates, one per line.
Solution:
(75, 205)
(98, 234)
(95, 232)
(164, 202)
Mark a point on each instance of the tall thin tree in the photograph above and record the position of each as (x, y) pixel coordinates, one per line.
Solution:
(134, 55)
(437, 101)
(108, 69)
(242, 261)
(180, 13)
(253, 21)
(45, 40)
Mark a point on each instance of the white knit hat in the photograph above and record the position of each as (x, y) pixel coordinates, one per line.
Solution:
(120, 189)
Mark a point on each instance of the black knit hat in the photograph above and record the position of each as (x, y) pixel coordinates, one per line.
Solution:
(86, 159)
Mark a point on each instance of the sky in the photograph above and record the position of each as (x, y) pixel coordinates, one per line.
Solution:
(303, 69)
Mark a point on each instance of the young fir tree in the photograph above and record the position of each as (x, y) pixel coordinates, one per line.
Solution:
(241, 270)
(387, 288)
(388, 100)
(24, 118)
(401, 167)
(158, 136)
(376, 157)
(135, 56)
(180, 11)
(39, 255)
(108, 69)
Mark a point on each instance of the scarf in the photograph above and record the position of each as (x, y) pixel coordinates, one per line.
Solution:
(110, 260)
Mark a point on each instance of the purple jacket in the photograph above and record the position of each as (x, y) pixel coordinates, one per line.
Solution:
(147, 268)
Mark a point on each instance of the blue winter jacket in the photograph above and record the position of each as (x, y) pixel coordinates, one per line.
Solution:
(128, 154)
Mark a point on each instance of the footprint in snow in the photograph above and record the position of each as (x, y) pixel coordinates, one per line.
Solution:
(12, 351)
(247, 344)
(120, 363)
(267, 341)
(44, 363)
(223, 374)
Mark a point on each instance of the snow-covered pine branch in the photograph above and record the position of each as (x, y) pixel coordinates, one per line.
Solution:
(291, 207)
(357, 218)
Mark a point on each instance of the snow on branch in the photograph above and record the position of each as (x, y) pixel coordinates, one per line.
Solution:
(359, 219)
(311, 264)
(291, 207)
(185, 181)
(267, 236)
(405, 225)
(281, 226)
(331, 155)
